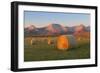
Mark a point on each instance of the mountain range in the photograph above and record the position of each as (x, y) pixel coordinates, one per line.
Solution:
(54, 29)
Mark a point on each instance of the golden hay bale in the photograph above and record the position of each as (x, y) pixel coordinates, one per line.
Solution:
(65, 42)
(27, 40)
(49, 40)
(32, 41)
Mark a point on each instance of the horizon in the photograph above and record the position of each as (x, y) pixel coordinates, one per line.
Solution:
(59, 24)
(41, 19)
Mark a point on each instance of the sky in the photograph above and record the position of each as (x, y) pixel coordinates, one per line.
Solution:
(41, 19)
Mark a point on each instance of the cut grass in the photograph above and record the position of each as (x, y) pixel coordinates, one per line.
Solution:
(43, 52)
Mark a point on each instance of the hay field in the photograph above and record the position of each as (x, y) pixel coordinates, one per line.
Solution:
(42, 51)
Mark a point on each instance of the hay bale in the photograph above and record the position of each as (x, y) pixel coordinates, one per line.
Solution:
(66, 42)
(33, 41)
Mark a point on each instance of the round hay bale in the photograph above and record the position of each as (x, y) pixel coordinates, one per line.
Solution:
(65, 42)
(49, 41)
(32, 41)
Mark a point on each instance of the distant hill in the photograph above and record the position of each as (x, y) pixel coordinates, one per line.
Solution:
(54, 29)
(30, 27)
(80, 28)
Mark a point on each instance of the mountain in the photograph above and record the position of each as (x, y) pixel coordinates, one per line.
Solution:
(30, 30)
(80, 28)
(56, 29)
(87, 28)
(70, 30)
(30, 27)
